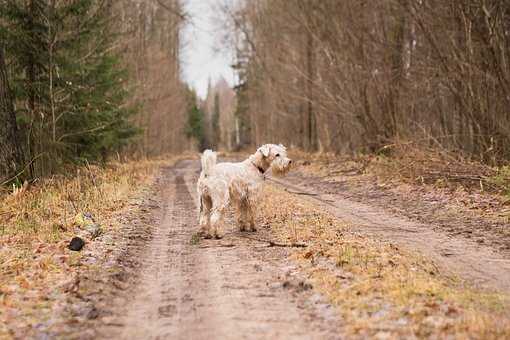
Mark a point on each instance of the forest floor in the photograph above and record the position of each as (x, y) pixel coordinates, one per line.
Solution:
(339, 253)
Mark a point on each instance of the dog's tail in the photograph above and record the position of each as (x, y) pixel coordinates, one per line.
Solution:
(208, 161)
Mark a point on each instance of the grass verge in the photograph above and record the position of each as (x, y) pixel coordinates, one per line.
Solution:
(381, 290)
(408, 163)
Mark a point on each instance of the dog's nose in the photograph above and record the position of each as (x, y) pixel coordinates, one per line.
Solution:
(290, 161)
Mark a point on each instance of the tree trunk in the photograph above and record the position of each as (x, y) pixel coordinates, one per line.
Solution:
(311, 119)
(10, 150)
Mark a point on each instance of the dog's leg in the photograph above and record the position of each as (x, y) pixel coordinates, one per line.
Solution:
(251, 217)
(205, 216)
(238, 200)
(251, 211)
(241, 214)
(244, 215)
(219, 205)
(217, 221)
(220, 198)
(253, 197)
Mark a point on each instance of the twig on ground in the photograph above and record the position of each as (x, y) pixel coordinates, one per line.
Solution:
(290, 191)
(276, 244)
(301, 193)
(455, 176)
(221, 245)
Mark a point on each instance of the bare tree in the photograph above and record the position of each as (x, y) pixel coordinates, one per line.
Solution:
(357, 75)
(150, 47)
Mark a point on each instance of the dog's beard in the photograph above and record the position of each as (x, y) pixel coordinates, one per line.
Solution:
(279, 168)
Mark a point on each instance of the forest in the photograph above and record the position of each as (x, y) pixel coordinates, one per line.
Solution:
(83, 81)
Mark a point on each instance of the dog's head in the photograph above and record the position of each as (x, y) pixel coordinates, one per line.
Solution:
(275, 157)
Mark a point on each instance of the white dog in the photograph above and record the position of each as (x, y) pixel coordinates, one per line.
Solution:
(237, 183)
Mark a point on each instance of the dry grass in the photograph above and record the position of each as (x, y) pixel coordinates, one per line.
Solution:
(37, 224)
(382, 290)
(413, 164)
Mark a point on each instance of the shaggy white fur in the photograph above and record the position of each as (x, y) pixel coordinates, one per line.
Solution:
(238, 183)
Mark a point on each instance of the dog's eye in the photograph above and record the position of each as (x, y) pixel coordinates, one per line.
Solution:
(277, 155)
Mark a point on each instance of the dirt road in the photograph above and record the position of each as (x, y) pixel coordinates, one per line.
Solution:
(473, 262)
(235, 288)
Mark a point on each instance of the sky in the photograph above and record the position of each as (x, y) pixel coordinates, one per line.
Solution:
(202, 56)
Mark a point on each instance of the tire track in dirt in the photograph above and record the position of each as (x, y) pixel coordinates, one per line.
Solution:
(477, 264)
(229, 289)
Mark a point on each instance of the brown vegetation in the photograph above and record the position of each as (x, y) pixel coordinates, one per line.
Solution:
(150, 45)
(347, 76)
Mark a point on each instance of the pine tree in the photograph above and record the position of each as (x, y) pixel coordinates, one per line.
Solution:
(68, 86)
(195, 124)
(99, 123)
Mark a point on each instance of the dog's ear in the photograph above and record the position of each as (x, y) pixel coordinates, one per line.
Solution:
(264, 150)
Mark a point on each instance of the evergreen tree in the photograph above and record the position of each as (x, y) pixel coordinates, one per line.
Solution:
(99, 123)
(68, 86)
(195, 124)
